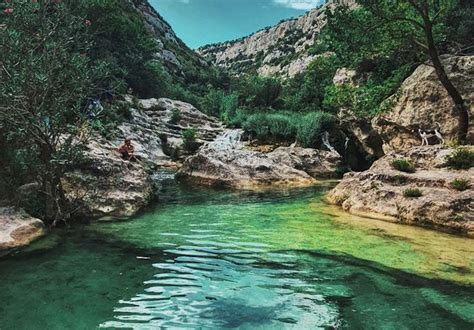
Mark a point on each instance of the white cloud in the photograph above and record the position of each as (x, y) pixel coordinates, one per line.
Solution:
(300, 4)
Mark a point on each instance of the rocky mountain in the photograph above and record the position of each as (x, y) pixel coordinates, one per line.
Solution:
(284, 49)
(176, 57)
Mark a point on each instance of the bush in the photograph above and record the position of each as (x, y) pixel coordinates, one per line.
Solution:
(189, 139)
(272, 126)
(412, 193)
(400, 179)
(312, 125)
(403, 165)
(175, 116)
(260, 92)
(460, 184)
(461, 159)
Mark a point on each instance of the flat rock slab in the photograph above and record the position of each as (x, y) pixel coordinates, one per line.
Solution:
(18, 228)
(231, 164)
(379, 192)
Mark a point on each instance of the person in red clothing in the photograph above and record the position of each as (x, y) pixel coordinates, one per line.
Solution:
(127, 150)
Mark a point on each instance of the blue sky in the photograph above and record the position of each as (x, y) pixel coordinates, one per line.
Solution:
(200, 22)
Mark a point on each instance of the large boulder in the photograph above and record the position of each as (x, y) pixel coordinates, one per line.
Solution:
(319, 164)
(156, 127)
(234, 165)
(18, 228)
(379, 192)
(105, 186)
(420, 103)
(423, 103)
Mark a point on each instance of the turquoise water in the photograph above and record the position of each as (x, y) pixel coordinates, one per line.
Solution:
(210, 259)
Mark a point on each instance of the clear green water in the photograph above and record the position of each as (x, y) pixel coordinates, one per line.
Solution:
(250, 260)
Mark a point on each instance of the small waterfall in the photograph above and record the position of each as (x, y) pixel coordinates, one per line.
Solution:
(228, 140)
(325, 139)
(346, 147)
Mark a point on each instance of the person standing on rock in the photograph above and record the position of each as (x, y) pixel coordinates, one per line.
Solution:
(127, 150)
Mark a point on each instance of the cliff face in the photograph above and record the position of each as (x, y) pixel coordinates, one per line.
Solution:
(283, 49)
(173, 52)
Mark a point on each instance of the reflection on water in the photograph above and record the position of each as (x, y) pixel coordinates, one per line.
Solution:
(249, 260)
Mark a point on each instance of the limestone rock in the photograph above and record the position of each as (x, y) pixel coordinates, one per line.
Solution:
(269, 50)
(173, 52)
(378, 192)
(107, 186)
(236, 166)
(104, 185)
(422, 102)
(319, 164)
(344, 76)
(17, 228)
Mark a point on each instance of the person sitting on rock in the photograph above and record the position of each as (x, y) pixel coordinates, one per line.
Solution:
(127, 150)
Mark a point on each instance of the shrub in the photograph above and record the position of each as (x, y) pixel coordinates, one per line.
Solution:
(400, 179)
(189, 139)
(272, 126)
(175, 116)
(461, 159)
(312, 125)
(460, 184)
(257, 124)
(403, 165)
(282, 126)
(412, 193)
(260, 92)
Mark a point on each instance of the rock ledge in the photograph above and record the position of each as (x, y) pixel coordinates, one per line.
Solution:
(378, 192)
(17, 228)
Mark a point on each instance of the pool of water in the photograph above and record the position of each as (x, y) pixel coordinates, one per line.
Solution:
(210, 259)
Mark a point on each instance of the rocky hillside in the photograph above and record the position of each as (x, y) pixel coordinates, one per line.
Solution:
(283, 49)
(173, 52)
(420, 103)
(106, 186)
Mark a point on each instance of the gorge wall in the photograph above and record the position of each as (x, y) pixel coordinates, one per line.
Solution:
(283, 49)
(173, 53)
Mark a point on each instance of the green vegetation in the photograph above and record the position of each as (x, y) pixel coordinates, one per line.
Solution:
(312, 126)
(400, 179)
(461, 159)
(412, 193)
(175, 116)
(423, 22)
(44, 84)
(403, 165)
(368, 40)
(460, 184)
(64, 66)
(59, 57)
(189, 139)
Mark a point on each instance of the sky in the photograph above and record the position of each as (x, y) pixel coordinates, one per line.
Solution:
(201, 22)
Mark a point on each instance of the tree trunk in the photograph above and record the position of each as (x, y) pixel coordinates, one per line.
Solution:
(54, 196)
(460, 105)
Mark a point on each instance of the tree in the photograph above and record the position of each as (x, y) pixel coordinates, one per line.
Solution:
(425, 18)
(260, 92)
(45, 78)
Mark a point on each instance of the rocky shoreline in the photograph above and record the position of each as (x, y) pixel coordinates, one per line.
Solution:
(228, 162)
(105, 187)
(18, 228)
(380, 192)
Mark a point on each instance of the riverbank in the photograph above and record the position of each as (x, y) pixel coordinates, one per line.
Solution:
(424, 195)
